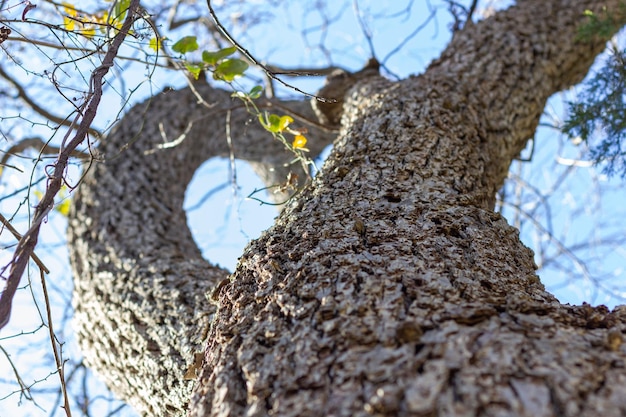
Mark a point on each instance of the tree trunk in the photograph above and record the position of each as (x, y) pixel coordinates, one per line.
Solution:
(387, 287)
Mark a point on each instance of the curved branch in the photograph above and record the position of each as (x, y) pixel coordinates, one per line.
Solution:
(252, 59)
(141, 284)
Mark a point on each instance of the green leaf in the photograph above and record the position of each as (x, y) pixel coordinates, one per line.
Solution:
(228, 69)
(269, 122)
(121, 7)
(597, 115)
(212, 58)
(273, 123)
(263, 120)
(274, 120)
(194, 69)
(255, 92)
(186, 44)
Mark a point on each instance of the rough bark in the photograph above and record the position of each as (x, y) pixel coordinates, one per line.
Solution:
(388, 287)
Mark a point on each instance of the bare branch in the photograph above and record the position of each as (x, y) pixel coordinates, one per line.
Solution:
(409, 37)
(55, 350)
(471, 11)
(364, 28)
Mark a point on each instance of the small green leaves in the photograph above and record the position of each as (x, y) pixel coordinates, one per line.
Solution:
(212, 58)
(223, 68)
(275, 123)
(228, 69)
(186, 44)
(255, 92)
(121, 7)
(597, 115)
(194, 69)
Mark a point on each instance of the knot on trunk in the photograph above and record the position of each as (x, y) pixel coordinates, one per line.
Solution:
(335, 88)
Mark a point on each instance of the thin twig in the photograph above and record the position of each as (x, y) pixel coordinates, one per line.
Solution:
(38, 144)
(471, 11)
(24, 388)
(268, 104)
(18, 236)
(398, 47)
(55, 350)
(364, 28)
(172, 143)
(231, 153)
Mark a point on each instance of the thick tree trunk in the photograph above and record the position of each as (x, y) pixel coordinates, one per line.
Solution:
(388, 287)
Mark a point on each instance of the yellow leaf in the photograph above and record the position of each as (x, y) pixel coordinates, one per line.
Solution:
(68, 23)
(284, 122)
(299, 142)
(156, 44)
(103, 19)
(89, 31)
(71, 12)
(63, 207)
(69, 9)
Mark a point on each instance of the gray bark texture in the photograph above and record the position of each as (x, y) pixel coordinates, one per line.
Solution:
(388, 287)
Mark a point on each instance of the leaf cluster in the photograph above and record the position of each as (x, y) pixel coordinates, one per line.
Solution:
(222, 67)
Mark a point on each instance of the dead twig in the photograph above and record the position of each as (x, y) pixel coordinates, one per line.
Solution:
(55, 350)
(21, 92)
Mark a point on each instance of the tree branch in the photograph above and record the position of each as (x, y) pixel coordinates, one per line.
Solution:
(251, 58)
